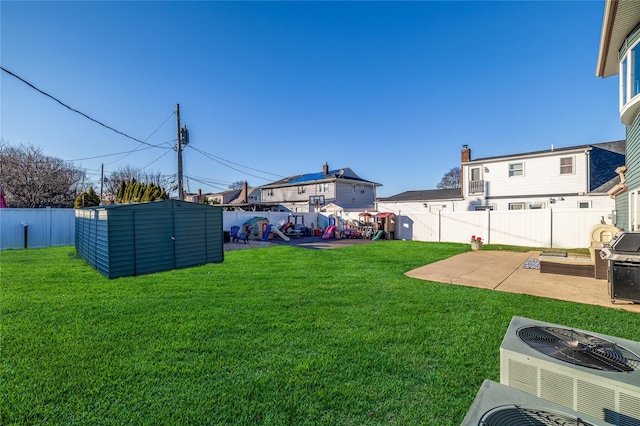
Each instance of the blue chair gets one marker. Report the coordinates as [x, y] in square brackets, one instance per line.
[236, 236]
[234, 233]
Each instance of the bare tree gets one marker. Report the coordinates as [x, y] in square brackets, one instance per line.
[32, 180]
[237, 184]
[451, 180]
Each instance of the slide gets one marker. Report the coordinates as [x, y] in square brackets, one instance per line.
[279, 233]
[378, 235]
[328, 232]
[265, 236]
[286, 226]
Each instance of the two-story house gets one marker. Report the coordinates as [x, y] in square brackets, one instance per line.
[310, 192]
[619, 54]
[573, 177]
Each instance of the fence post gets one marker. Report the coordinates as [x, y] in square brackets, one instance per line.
[551, 227]
[49, 230]
[488, 222]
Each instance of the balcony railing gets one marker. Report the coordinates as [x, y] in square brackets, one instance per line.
[476, 186]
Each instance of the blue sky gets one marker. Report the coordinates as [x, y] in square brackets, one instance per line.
[271, 89]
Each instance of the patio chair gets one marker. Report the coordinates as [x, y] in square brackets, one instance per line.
[237, 236]
[244, 236]
[234, 233]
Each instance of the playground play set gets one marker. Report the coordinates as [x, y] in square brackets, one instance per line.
[381, 226]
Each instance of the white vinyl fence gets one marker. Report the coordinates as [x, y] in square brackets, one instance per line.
[557, 228]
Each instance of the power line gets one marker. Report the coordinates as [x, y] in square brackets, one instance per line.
[108, 155]
[135, 150]
[206, 183]
[209, 181]
[73, 109]
[165, 153]
[221, 161]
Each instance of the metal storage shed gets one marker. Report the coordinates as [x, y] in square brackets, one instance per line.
[122, 240]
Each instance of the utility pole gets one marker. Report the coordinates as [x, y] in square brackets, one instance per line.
[101, 181]
[183, 139]
[179, 149]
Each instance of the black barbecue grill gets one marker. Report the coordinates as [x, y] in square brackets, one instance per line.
[623, 255]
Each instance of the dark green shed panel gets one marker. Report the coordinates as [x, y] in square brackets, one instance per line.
[120, 257]
[214, 227]
[190, 240]
[153, 241]
[133, 239]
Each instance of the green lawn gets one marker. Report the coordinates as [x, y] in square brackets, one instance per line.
[277, 335]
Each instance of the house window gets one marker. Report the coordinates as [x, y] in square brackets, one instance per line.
[566, 165]
[475, 174]
[482, 208]
[536, 206]
[301, 190]
[630, 83]
[476, 185]
[623, 82]
[634, 74]
[584, 204]
[516, 206]
[269, 192]
[516, 169]
[323, 187]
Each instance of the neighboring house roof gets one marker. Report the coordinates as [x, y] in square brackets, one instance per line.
[620, 18]
[426, 195]
[232, 196]
[605, 187]
[308, 178]
[614, 146]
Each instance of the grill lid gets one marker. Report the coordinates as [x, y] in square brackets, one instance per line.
[625, 242]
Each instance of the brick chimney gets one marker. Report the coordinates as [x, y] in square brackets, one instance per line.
[244, 193]
[325, 168]
[465, 157]
[466, 154]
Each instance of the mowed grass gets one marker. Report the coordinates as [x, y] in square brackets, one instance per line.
[273, 336]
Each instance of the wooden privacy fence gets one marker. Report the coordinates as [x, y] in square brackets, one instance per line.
[557, 228]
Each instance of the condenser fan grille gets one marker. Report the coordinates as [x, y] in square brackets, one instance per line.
[579, 348]
[516, 415]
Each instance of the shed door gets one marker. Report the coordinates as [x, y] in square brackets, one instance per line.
[190, 232]
[153, 240]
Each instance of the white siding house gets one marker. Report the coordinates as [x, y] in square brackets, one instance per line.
[310, 192]
[573, 177]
